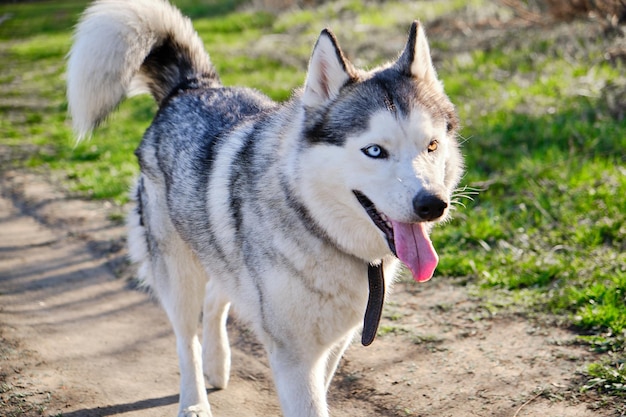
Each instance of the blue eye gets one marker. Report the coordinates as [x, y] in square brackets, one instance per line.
[375, 151]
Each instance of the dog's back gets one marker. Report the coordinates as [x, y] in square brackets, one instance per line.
[184, 147]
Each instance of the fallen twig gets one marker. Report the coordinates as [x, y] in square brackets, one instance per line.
[527, 402]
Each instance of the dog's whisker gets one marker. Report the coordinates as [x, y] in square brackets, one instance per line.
[463, 139]
[465, 194]
[469, 189]
[458, 203]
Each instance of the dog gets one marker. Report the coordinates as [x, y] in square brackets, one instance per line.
[300, 213]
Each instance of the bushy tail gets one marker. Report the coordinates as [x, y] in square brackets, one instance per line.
[126, 47]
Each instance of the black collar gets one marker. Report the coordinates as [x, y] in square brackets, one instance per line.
[375, 302]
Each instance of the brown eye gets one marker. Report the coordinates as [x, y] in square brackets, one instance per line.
[432, 146]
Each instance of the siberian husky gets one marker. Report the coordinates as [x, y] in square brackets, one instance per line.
[296, 213]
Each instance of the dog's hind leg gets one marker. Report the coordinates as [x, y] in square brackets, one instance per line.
[180, 283]
[215, 346]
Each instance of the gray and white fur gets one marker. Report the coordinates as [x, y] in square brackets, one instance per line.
[279, 209]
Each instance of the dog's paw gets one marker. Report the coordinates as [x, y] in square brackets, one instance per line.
[198, 410]
[216, 368]
[218, 380]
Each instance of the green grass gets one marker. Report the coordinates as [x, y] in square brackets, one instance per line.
[551, 218]
[545, 235]
[548, 230]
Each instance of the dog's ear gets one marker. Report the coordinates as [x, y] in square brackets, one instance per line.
[329, 70]
[415, 61]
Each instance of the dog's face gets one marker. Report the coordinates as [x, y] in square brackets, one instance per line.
[382, 157]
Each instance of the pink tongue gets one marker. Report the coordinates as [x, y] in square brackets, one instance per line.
[414, 248]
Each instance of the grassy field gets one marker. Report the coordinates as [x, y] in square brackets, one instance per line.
[544, 136]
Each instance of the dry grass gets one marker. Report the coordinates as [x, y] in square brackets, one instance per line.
[612, 10]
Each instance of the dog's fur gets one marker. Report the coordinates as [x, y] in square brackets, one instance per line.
[277, 208]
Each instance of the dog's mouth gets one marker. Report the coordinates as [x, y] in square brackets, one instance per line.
[380, 219]
[410, 243]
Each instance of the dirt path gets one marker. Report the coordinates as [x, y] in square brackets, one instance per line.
[77, 340]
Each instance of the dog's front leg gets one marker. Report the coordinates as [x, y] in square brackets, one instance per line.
[300, 383]
[334, 356]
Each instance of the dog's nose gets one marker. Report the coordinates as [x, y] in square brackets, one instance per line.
[429, 206]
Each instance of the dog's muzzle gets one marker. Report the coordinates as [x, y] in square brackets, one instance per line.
[407, 241]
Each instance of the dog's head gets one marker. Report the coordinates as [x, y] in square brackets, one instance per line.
[381, 157]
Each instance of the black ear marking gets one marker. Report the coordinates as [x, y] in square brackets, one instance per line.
[408, 55]
[345, 63]
[328, 71]
[415, 61]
